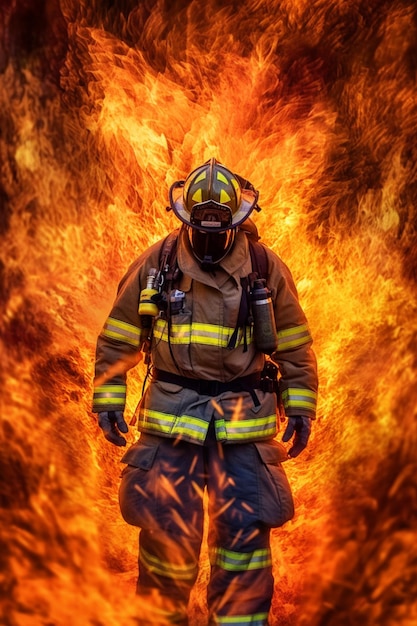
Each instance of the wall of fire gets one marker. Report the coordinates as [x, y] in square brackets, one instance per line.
[102, 106]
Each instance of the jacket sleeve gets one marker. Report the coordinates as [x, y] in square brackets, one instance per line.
[119, 343]
[294, 355]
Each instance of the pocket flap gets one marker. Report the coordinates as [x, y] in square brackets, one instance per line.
[140, 455]
[271, 452]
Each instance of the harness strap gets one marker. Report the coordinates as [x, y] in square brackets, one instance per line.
[212, 387]
[168, 256]
[259, 261]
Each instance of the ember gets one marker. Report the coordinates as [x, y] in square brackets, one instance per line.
[102, 106]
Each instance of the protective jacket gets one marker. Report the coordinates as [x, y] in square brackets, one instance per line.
[192, 343]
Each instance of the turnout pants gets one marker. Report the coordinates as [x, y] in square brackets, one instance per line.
[162, 491]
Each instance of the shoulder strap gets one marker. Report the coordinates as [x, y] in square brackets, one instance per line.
[168, 267]
[259, 261]
[259, 258]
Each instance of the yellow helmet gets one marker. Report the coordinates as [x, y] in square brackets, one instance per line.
[212, 198]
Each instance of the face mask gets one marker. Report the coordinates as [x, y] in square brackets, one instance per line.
[211, 248]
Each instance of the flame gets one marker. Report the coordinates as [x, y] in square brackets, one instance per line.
[101, 110]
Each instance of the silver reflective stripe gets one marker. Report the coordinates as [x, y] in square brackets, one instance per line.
[154, 420]
[250, 429]
[257, 619]
[242, 561]
[106, 395]
[195, 429]
[295, 398]
[197, 333]
[293, 337]
[121, 331]
[186, 571]
[258, 302]
[190, 427]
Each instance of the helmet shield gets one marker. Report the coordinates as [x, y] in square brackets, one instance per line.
[210, 248]
[212, 199]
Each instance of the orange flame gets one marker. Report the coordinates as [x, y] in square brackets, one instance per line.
[101, 110]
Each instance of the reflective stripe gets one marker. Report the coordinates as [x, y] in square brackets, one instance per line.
[299, 398]
[241, 561]
[195, 428]
[186, 571]
[192, 427]
[197, 333]
[121, 331]
[109, 394]
[257, 427]
[293, 337]
[220, 427]
[258, 619]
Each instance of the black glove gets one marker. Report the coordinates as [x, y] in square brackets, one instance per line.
[301, 426]
[111, 422]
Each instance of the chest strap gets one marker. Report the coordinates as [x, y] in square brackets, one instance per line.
[212, 387]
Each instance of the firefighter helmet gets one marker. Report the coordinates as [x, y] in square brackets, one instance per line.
[212, 199]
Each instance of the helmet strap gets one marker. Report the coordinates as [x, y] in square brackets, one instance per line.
[208, 265]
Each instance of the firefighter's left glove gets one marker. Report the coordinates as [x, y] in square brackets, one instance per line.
[298, 427]
[112, 424]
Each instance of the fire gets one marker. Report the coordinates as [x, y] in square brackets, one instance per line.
[101, 110]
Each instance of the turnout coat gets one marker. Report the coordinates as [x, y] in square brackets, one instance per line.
[192, 344]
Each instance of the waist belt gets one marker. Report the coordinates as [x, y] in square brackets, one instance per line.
[211, 387]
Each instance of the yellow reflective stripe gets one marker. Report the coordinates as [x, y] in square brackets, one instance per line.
[195, 428]
[121, 331]
[196, 431]
[220, 426]
[245, 429]
[257, 619]
[186, 571]
[210, 334]
[186, 425]
[160, 332]
[242, 561]
[109, 394]
[197, 333]
[299, 398]
[162, 422]
[293, 337]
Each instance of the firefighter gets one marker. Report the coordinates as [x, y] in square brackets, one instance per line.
[219, 367]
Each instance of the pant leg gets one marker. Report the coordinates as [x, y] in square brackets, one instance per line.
[168, 568]
[162, 492]
[241, 582]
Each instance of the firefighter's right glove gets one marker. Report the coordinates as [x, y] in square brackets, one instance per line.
[298, 426]
[112, 424]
